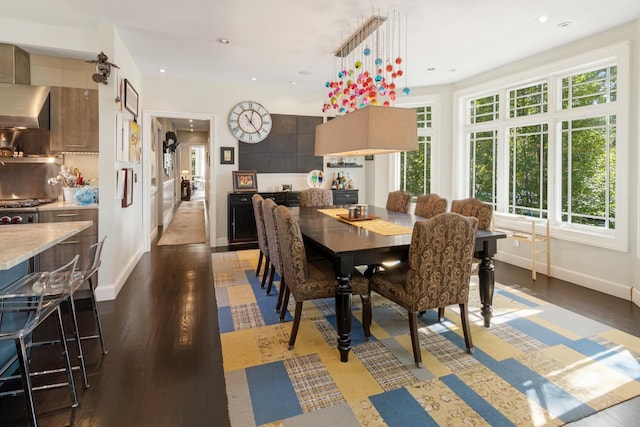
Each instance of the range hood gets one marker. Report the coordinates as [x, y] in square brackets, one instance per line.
[24, 107]
[21, 106]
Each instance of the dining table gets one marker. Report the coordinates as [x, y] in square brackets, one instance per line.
[384, 236]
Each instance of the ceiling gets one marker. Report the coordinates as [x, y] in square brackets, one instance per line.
[278, 42]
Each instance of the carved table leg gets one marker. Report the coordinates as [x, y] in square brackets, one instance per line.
[486, 275]
[343, 317]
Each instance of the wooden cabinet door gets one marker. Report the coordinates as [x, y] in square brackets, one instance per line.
[74, 120]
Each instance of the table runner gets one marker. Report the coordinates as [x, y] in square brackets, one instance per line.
[379, 226]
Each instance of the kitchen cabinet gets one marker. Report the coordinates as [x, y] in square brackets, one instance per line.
[74, 120]
[345, 197]
[79, 244]
[241, 223]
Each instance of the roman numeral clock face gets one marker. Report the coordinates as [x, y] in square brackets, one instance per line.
[250, 122]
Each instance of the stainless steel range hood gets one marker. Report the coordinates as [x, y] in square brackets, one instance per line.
[24, 107]
[21, 106]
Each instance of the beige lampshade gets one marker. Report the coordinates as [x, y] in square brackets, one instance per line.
[368, 130]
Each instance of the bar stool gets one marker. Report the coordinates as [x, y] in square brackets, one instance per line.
[91, 264]
[24, 305]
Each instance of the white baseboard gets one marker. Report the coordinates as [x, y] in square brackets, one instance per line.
[110, 291]
[619, 290]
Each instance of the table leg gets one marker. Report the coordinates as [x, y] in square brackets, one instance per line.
[343, 317]
[486, 276]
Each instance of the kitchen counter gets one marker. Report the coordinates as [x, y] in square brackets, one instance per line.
[65, 205]
[23, 241]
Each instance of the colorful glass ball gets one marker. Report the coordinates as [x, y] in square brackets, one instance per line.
[367, 51]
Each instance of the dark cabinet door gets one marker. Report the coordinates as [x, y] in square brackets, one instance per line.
[242, 224]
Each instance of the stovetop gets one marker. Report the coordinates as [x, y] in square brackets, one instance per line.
[24, 203]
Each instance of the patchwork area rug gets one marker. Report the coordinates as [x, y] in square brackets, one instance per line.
[537, 365]
[187, 225]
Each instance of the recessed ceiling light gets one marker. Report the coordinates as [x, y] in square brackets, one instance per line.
[431, 69]
[452, 70]
[162, 70]
[293, 82]
[254, 78]
[190, 120]
[564, 24]
[542, 19]
[222, 40]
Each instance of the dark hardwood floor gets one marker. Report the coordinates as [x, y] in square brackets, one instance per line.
[164, 366]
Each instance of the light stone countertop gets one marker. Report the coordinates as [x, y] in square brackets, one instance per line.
[19, 242]
[66, 205]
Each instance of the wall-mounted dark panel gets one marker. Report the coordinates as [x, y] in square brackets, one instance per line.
[289, 147]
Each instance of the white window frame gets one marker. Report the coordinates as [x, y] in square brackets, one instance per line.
[617, 55]
[433, 132]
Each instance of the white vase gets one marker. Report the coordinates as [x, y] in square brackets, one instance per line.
[68, 193]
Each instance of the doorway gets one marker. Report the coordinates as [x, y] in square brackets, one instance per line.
[164, 186]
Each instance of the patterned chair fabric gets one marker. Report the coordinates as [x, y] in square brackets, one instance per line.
[399, 201]
[430, 205]
[437, 273]
[257, 201]
[268, 208]
[475, 208]
[316, 197]
[309, 281]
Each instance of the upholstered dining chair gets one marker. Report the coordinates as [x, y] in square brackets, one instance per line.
[316, 197]
[399, 201]
[483, 211]
[24, 306]
[430, 205]
[309, 281]
[268, 208]
[436, 274]
[263, 244]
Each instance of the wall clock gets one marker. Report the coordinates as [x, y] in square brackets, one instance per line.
[250, 122]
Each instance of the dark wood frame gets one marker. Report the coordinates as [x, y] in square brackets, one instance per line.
[130, 98]
[127, 197]
[251, 185]
[225, 150]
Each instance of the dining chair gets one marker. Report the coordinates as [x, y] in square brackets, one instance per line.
[316, 197]
[90, 266]
[309, 281]
[263, 244]
[436, 275]
[430, 205]
[24, 306]
[399, 201]
[268, 208]
[483, 211]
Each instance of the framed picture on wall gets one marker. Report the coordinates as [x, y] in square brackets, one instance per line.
[130, 98]
[227, 156]
[245, 181]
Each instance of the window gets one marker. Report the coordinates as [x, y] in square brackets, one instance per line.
[553, 154]
[483, 165]
[415, 166]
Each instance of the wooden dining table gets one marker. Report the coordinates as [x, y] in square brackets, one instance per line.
[348, 245]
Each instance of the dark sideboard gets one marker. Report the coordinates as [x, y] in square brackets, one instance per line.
[241, 223]
[345, 197]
